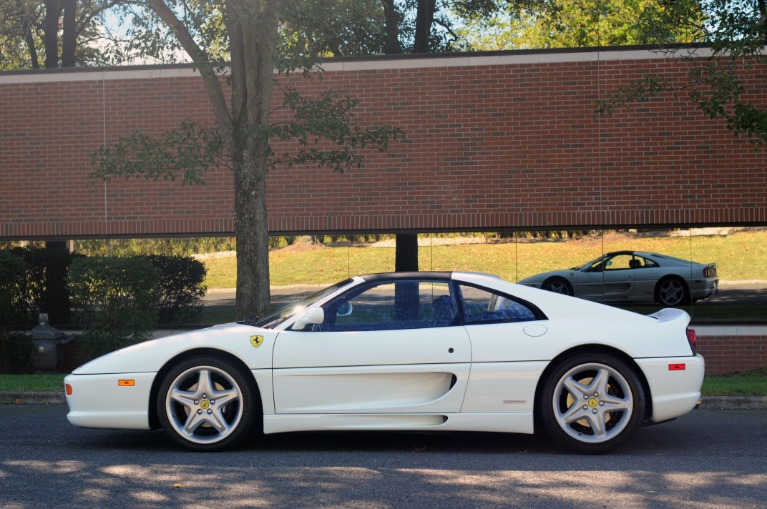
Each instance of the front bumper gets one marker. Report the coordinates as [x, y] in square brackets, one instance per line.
[102, 401]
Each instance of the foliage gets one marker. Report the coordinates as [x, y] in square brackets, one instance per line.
[115, 299]
[328, 118]
[720, 84]
[43, 287]
[534, 24]
[246, 33]
[169, 247]
[13, 291]
[181, 287]
[341, 28]
[187, 150]
[16, 351]
[44, 33]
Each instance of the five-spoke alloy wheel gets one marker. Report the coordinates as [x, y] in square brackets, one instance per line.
[592, 403]
[672, 291]
[206, 403]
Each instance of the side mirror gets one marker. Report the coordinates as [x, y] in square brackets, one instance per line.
[310, 316]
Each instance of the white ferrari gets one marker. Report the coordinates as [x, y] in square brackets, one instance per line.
[405, 351]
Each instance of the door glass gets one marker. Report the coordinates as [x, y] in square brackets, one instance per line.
[406, 304]
[621, 262]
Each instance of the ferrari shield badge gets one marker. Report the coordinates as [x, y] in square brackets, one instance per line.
[256, 341]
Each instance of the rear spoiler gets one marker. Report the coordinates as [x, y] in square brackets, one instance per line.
[671, 315]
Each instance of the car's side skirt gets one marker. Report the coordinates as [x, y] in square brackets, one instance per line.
[494, 422]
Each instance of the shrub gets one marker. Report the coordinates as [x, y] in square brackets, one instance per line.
[115, 299]
[13, 292]
[181, 287]
[16, 353]
[45, 285]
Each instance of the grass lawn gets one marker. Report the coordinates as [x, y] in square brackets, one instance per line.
[739, 256]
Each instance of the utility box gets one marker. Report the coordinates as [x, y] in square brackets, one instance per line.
[45, 340]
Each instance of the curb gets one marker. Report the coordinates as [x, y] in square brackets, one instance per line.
[708, 402]
[33, 398]
[735, 402]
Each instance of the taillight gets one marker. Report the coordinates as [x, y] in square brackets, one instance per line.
[692, 338]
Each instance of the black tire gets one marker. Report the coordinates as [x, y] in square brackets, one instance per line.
[207, 403]
[592, 403]
[672, 291]
[558, 285]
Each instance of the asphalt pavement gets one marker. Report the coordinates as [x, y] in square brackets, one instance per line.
[707, 459]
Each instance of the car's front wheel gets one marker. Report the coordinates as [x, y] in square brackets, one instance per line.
[207, 403]
[592, 403]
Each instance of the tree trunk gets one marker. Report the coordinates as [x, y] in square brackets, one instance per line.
[251, 232]
[51, 33]
[69, 33]
[423, 22]
[258, 44]
[393, 45]
[406, 252]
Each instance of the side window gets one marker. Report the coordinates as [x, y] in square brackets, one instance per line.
[620, 262]
[649, 263]
[406, 304]
[484, 306]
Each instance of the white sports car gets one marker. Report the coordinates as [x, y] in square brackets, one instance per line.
[633, 277]
[405, 351]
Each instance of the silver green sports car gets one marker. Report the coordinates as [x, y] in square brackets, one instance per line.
[633, 277]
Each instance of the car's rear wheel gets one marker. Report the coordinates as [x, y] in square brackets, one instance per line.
[592, 403]
[207, 403]
[558, 285]
[672, 291]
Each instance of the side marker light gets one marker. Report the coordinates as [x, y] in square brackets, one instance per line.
[677, 367]
[126, 383]
[68, 389]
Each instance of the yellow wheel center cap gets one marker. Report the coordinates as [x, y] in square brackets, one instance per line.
[593, 402]
[205, 404]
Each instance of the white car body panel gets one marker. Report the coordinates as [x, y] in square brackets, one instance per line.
[479, 377]
[151, 356]
[674, 392]
[100, 401]
[499, 423]
[371, 389]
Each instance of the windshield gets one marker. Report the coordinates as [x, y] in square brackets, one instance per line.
[286, 312]
[592, 263]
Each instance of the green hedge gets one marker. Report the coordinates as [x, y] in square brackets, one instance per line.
[13, 289]
[181, 287]
[116, 300]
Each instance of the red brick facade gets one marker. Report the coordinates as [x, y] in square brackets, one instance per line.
[727, 354]
[506, 141]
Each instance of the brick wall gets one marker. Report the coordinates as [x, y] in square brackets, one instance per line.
[506, 141]
[733, 353]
